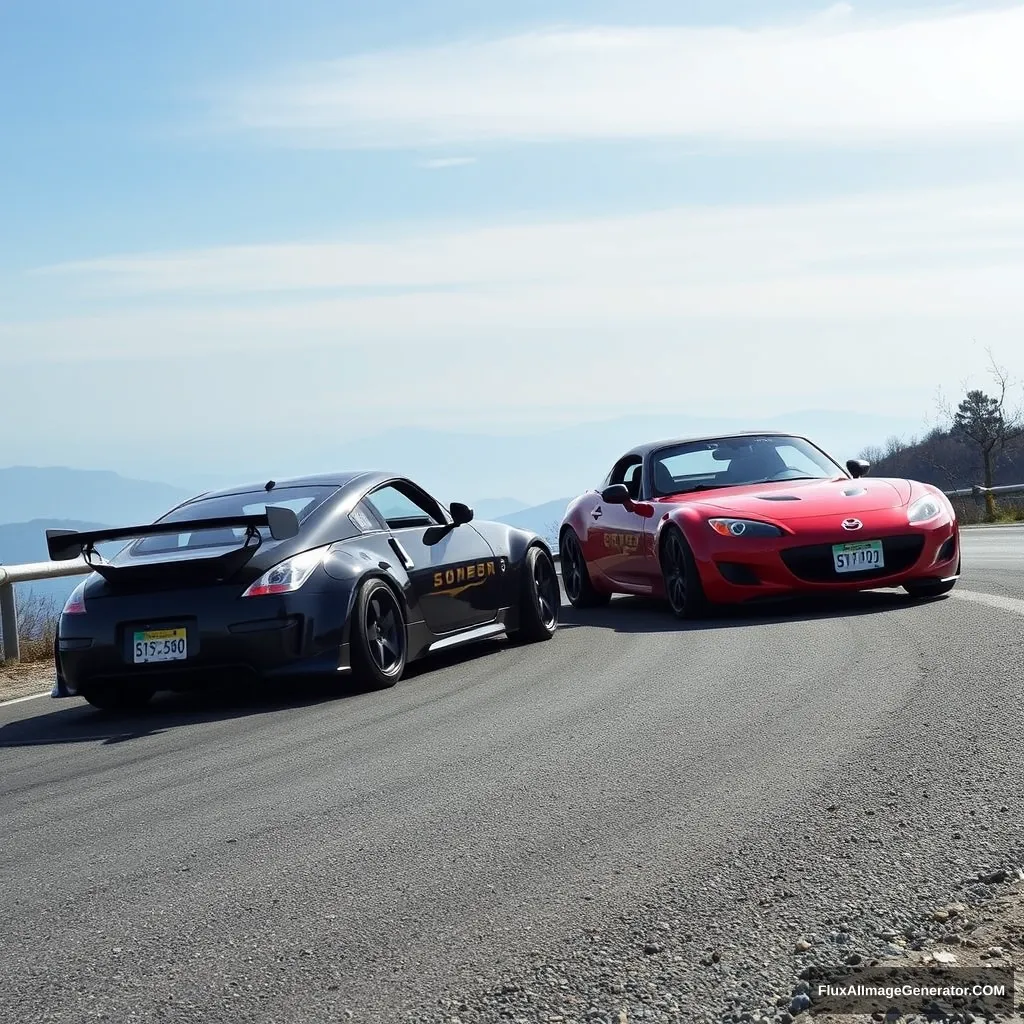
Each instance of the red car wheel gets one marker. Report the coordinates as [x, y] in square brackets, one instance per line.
[683, 587]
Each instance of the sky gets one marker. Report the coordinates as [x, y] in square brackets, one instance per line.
[249, 225]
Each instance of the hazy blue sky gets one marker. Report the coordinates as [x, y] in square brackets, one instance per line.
[250, 223]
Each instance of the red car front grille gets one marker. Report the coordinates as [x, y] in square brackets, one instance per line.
[815, 564]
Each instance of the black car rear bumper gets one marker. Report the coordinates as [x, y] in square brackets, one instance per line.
[272, 636]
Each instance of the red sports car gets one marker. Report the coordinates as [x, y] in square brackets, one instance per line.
[751, 516]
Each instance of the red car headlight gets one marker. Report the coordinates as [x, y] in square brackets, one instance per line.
[924, 509]
[743, 528]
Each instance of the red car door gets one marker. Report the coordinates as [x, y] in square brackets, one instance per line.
[619, 544]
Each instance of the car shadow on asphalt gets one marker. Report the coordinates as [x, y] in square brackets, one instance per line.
[74, 721]
[647, 615]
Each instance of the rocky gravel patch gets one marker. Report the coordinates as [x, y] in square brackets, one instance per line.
[663, 972]
[667, 974]
[21, 680]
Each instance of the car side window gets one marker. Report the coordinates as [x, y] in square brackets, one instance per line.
[632, 480]
[628, 471]
[402, 506]
[365, 519]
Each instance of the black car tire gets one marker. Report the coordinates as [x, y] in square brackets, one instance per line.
[576, 576]
[126, 697]
[933, 588]
[540, 596]
[683, 587]
[379, 640]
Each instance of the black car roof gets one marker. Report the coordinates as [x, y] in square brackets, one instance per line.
[652, 446]
[345, 480]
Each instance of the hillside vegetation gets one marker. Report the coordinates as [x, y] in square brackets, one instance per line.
[940, 458]
[981, 444]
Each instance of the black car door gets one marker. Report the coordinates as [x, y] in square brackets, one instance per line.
[455, 573]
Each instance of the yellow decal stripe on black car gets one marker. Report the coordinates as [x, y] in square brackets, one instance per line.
[460, 578]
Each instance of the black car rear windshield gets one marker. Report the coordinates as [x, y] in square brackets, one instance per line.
[301, 500]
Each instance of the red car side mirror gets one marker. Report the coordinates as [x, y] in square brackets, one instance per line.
[618, 494]
[644, 509]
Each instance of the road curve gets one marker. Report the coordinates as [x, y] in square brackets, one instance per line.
[507, 830]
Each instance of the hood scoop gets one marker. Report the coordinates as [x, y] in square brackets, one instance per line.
[778, 497]
[853, 492]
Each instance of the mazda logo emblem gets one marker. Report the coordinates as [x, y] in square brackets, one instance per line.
[852, 524]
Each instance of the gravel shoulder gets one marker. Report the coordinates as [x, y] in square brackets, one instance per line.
[980, 933]
[20, 680]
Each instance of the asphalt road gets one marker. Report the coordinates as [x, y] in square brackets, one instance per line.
[518, 817]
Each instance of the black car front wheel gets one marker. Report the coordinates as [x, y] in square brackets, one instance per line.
[540, 598]
[379, 640]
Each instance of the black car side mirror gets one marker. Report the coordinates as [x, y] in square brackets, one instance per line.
[616, 494]
[858, 467]
[460, 513]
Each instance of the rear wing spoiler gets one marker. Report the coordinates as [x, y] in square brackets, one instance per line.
[63, 545]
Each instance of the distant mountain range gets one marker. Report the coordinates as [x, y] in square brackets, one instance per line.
[494, 508]
[89, 495]
[472, 466]
[543, 519]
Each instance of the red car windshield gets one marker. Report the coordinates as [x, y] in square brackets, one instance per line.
[736, 461]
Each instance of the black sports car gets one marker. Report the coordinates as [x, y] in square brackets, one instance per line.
[354, 573]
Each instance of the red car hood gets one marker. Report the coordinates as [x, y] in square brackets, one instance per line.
[804, 499]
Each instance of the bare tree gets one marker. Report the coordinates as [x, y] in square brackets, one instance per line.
[986, 423]
[551, 533]
[895, 446]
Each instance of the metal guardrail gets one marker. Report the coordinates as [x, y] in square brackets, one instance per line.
[26, 573]
[977, 491]
[12, 574]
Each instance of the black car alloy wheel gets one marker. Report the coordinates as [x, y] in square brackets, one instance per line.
[546, 590]
[384, 631]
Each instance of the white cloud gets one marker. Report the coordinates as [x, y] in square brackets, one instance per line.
[811, 258]
[444, 162]
[869, 302]
[834, 78]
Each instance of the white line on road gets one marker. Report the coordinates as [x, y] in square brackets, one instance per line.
[18, 700]
[1006, 604]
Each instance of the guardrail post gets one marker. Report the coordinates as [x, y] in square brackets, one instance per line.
[9, 622]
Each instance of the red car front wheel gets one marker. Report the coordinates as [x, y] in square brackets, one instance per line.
[683, 586]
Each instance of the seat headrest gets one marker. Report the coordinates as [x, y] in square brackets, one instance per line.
[663, 480]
